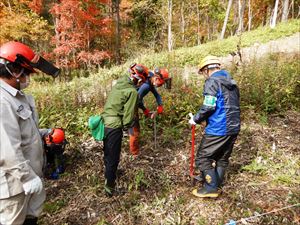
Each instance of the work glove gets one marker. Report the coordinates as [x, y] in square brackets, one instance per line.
[125, 133]
[191, 121]
[160, 109]
[153, 115]
[147, 113]
[33, 186]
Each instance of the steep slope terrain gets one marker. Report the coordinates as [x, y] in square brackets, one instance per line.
[264, 176]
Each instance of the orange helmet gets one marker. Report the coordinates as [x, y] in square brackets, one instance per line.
[16, 52]
[161, 76]
[55, 136]
[163, 73]
[139, 72]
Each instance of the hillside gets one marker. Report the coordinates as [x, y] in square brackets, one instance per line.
[263, 179]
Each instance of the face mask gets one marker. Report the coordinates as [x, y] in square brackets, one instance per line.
[25, 84]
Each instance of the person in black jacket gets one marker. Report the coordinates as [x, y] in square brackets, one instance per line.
[221, 111]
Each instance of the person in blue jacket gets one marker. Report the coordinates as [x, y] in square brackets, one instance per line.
[221, 111]
[154, 79]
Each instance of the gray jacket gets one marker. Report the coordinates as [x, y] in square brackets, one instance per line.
[21, 149]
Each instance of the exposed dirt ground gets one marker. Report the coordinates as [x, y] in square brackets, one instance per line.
[155, 188]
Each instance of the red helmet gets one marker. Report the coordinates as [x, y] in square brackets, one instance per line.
[160, 76]
[55, 136]
[17, 52]
[139, 72]
[163, 73]
[23, 55]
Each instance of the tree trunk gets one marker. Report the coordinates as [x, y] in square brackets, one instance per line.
[249, 15]
[241, 5]
[208, 27]
[226, 19]
[116, 12]
[274, 17]
[293, 13]
[285, 11]
[170, 38]
[198, 25]
[57, 39]
[182, 24]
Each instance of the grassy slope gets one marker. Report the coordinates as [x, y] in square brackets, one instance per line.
[264, 172]
[77, 98]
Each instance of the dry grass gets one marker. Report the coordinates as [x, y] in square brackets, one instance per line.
[156, 187]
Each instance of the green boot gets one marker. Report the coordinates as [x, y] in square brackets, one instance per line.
[210, 187]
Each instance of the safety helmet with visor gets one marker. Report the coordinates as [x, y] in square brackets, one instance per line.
[161, 75]
[138, 73]
[55, 136]
[16, 52]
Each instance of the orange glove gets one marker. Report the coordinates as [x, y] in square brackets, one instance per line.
[160, 109]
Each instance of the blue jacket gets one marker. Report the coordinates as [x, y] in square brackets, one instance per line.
[221, 105]
[144, 89]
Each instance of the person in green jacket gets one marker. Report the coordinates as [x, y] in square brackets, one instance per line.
[118, 115]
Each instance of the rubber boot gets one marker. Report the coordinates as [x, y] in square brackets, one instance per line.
[210, 187]
[198, 176]
[109, 188]
[220, 175]
[31, 221]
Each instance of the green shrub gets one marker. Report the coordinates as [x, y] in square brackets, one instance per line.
[271, 84]
[267, 86]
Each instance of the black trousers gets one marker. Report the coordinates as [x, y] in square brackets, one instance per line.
[214, 149]
[112, 151]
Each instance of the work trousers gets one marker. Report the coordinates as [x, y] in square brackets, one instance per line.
[214, 149]
[112, 151]
[15, 209]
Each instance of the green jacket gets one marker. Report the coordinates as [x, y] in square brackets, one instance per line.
[121, 105]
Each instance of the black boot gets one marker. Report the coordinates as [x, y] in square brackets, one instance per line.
[109, 188]
[31, 221]
[210, 187]
[220, 175]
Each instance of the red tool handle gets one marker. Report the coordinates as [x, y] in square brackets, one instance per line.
[192, 152]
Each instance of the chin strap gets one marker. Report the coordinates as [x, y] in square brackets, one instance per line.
[11, 73]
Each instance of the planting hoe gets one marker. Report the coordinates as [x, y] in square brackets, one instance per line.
[153, 116]
[192, 159]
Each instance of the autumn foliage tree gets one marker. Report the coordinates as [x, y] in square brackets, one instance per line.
[89, 33]
[79, 25]
[20, 23]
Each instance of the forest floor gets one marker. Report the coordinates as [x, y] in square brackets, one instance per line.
[263, 177]
[157, 188]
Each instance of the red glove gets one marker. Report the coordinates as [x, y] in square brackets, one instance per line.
[160, 109]
[147, 112]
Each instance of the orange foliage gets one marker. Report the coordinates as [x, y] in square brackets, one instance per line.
[79, 23]
[36, 6]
